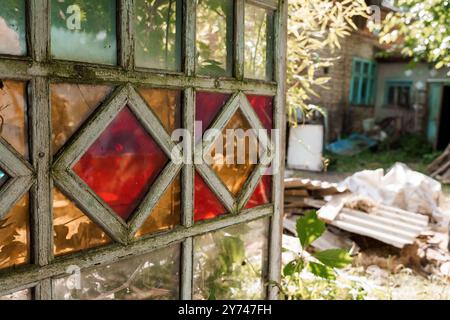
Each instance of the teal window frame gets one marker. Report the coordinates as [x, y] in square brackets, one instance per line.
[397, 83]
[363, 71]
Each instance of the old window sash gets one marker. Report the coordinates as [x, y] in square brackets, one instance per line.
[38, 69]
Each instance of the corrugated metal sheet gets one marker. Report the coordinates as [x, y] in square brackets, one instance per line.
[387, 224]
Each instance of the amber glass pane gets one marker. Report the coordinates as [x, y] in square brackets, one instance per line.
[166, 104]
[14, 235]
[258, 40]
[72, 104]
[206, 204]
[84, 30]
[215, 37]
[151, 276]
[73, 230]
[19, 295]
[158, 34]
[208, 105]
[167, 213]
[13, 115]
[234, 170]
[122, 164]
[231, 264]
[12, 28]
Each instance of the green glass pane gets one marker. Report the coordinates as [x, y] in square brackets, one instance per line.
[232, 263]
[258, 42]
[12, 28]
[152, 276]
[157, 34]
[214, 37]
[84, 30]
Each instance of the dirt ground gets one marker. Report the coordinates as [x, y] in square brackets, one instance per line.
[386, 276]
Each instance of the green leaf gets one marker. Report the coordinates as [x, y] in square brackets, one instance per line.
[309, 228]
[292, 267]
[322, 271]
[334, 258]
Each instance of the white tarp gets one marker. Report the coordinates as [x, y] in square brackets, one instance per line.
[400, 187]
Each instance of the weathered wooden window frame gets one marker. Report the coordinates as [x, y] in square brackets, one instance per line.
[39, 176]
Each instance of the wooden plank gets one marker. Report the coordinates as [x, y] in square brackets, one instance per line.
[190, 9]
[187, 253]
[239, 31]
[268, 4]
[126, 34]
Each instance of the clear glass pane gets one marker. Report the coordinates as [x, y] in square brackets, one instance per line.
[72, 230]
[258, 42]
[157, 34]
[13, 112]
[232, 263]
[167, 213]
[84, 30]
[151, 276]
[122, 164]
[14, 235]
[214, 37]
[12, 28]
[22, 295]
[72, 104]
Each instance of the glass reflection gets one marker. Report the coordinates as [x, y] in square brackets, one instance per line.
[153, 276]
[12, 28]
[84, 30]
[157, 34]
[72, 104]
[14, 235]
[231, 264]
[73, 230]
[3, 178]
[215, 37]
[13, 115]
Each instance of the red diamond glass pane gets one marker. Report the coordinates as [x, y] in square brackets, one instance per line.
[263, 106]
[122, 164]
[206, 204]
[208, 105]
[262, 194]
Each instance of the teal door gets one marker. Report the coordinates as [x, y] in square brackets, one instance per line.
[434, 108]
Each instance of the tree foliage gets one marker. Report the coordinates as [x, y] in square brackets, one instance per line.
[420, 29]
[315, 27]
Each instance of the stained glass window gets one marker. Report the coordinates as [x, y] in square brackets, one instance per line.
[13, 111]
[72, 104]
[14, 235]
[3, 177]
[84, 30]
[12, 28]
[122, 164]
[73, 230]
[258, 42]
[206, 204]
[208, 105]
[151, 276]
[230, 264]
[158, 34]
[214, 37]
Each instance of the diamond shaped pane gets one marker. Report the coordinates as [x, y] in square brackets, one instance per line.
[235, 163]
[122, 164]
[3, 177]
[206, 204]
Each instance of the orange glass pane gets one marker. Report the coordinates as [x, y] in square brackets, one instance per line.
[72, 230]
[13, 115]
[234, 170]
[166, 104]
[14, 235]
[206, 204]
[167, 213]
[72, 104]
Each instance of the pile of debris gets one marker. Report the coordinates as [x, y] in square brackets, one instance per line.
[440, 168]
[399, 208]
